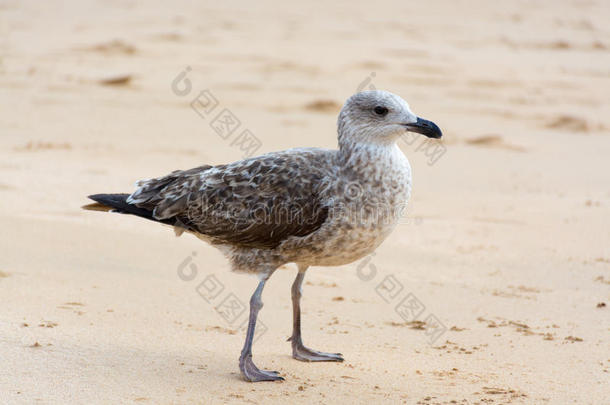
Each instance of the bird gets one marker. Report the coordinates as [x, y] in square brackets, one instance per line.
[307, 206]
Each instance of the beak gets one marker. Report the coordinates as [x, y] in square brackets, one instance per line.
[425, 127]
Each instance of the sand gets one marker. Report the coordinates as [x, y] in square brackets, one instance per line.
[506, 242]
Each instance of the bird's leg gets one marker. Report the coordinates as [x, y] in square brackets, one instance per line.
[246, 365]
[299, 351]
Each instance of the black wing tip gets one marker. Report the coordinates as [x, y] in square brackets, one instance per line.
[116, 201]
[108, 196]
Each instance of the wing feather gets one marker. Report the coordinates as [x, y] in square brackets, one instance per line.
[256, 202]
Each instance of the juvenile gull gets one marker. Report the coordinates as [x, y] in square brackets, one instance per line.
[309, 206]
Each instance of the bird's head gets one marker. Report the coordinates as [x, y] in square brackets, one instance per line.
[380, 117]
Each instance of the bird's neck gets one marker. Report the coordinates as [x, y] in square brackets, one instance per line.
[371, 158]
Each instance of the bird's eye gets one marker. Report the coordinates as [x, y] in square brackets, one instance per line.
[379, 110]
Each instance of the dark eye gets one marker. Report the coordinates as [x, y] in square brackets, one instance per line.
[379, 110]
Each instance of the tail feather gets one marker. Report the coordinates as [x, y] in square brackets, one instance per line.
[118, 203]
[97, 207]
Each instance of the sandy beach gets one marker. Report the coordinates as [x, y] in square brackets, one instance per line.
[495, 287]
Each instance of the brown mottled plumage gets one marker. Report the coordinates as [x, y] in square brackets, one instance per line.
[309, 206]
[254, 203]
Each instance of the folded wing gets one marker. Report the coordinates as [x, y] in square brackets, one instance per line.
[255, 203]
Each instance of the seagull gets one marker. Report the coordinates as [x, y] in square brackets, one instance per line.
[308, 206]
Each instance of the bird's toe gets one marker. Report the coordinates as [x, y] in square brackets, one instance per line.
[252, 373]
[303, 353]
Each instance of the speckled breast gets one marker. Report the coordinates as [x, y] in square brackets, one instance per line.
[362, 216]
[362, 227]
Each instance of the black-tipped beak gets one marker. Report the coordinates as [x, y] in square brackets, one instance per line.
[425, 127]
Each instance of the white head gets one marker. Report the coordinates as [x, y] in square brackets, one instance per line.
[379, 117]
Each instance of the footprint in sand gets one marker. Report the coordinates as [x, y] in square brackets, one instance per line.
[324, 106]
[569, 123]
[493, 141]
[43, 146]
[113, 47]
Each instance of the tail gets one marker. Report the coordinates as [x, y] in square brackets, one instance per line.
[117, 203]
